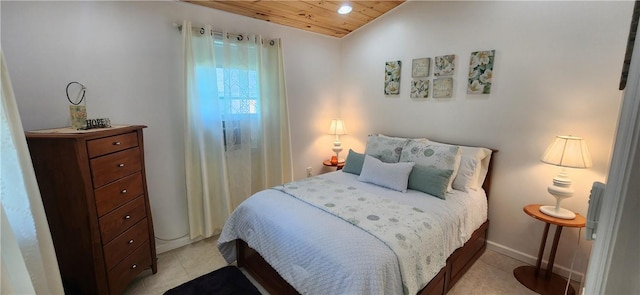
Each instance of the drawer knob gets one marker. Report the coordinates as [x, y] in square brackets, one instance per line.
[121, 165]
[131, 241]
[116, 143]
[134, 266]
[127, 217]
[124, 191]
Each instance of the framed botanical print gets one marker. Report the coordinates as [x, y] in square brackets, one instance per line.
[443, 87]
[420, 67]
[392, 77]
[444, 65]
[481, 72]
[419, 89]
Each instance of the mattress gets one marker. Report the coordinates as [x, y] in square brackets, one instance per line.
[319, 253]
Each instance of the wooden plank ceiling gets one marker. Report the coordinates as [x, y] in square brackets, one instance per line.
[319, 16]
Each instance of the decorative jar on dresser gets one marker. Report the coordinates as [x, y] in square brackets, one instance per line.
[94, 191]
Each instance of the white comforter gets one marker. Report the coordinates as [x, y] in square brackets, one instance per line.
[318, 253]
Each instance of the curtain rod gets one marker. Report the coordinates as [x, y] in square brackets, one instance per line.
[201, 29]
[240, 37]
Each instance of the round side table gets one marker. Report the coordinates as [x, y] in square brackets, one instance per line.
[532, 277]
[338, 166]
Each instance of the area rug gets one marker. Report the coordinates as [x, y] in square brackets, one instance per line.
[228, 280]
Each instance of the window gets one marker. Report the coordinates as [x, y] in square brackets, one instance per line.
[237, 91]
[239, 88]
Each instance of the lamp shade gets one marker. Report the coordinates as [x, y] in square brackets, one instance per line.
[568, 151]
[337, 127]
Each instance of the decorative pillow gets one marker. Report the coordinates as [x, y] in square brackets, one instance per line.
[390, 175]
[395, 137]
[387, 149]
[467, 177]
[354, 162]
[422, 152]
[430, 180]
[482, 155]
[484, 170]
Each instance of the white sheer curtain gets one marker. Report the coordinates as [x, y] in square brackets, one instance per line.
[237, 126]
[29, 264]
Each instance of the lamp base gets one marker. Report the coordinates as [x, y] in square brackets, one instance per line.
[559, 213]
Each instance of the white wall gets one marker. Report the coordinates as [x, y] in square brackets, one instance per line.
[556, 72]
[128, 54]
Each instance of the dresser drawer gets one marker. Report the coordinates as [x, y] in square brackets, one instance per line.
[117, 193]
[125, 243]
[110, 206]
[121, 219]
[108, 168]
[120, 275]
[107, 145]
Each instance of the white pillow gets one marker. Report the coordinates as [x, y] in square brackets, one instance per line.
[467, 176]
[482, 155]
[423, 152]
[390, 175]
[484, 170]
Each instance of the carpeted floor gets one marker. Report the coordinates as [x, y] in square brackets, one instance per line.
[228, 280]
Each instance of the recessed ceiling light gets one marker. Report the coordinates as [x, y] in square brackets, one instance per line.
[344, 9]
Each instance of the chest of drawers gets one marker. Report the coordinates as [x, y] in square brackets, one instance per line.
[94, 191]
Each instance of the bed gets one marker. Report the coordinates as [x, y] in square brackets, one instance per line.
[313, 236]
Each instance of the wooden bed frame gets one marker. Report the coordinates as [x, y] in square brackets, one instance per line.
[457, 265]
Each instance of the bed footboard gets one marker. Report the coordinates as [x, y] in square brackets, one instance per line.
[457, 265]
[261, 271]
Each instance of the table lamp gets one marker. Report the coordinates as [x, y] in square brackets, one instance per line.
[337, 128]
[566, 152]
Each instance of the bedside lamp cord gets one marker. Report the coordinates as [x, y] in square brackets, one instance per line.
[566, 289]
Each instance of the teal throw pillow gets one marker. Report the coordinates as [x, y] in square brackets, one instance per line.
[353, 163]
[430, 180]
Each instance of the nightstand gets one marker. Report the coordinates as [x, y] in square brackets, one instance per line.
[338, 166]
[532, 276]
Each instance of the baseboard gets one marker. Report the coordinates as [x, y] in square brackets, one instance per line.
[528, 259]
[165, 246]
